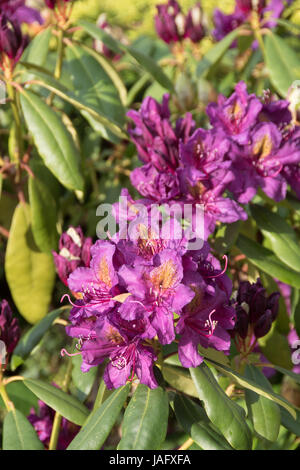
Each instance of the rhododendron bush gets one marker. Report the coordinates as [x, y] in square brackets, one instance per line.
[149, 228]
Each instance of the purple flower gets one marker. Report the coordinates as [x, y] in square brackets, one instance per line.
[154, 184]
[170, 22]
[96, 284]
[237, 114]
[74, 251]
[9, 328]
[194, 29]
[125, 348]
[18, 11]
[160, 290]
[224, 24]
[12, 42]
[42, 421]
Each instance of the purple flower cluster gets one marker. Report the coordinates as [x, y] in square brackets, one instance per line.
[42, 421]
[17, 10]
[173, 26]
[12, 41]
[252, 143]
[141, 291]
[266, 12]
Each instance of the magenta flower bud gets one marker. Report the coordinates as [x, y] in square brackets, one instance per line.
[246, 6]
[170, 22]
[263, 325]
[9, 327]
[99, 46]
[74, 252]
[193, 27]
[12, 42]
[52, 3]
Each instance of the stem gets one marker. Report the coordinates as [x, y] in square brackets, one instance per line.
[187, 444]
[58, 418]
[17, 119]
[8, 404]
[59, 61]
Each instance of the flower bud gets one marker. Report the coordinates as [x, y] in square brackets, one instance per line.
[273, 304]
[74, 252]
[12, 42]
[9, 328]
[242, 322]
[52, 3]
[193, 27]
[170, 22]
[263, 325]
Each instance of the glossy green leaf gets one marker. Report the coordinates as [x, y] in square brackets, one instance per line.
[83, 381]
[54, 143]
[146, 62]
[282, 62]
[43, 215]
[265, 260]
[224, 413]
[66, 405]
[264, 413]
[282, 237]
[216, 52]
[37, 50]
[30, 273]
[180, 379]
[19, 434]
[97, 428]
[257, 388]
[195, 423]
[33, 336]
[145, 420]
[276, 348]
[289, 422]
[94, 88]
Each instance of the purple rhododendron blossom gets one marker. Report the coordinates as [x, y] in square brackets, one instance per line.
[20, 12]
[170, 22]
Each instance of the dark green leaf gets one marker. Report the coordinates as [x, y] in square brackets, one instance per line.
[19, 434]
[282, 237]
[265, 414]
[100, 422]
[43, 215]
[276, 348]
[145, 420]
[265, 260]
[180, 379]
[66, 405]
[53, 141]
[194, 421]
[83, 381]
[225, 414]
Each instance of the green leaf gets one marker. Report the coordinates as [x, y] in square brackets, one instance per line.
[19, 434]
[36, 52]
[145, 420]
[281, 57]
[94, 88]
[100, 422]
[30, 274]
[54, 143]
[249, 384]
[147, 63]
[83, 381]
[216, 52]
[33, 336]
[180, 379]
[43, 215]
[225, 414]
[195, 423]
[23, 399]
[265, 260]
[264, 413]
[290, 423]
[66, 405]
[282, 237]
[276, 348]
